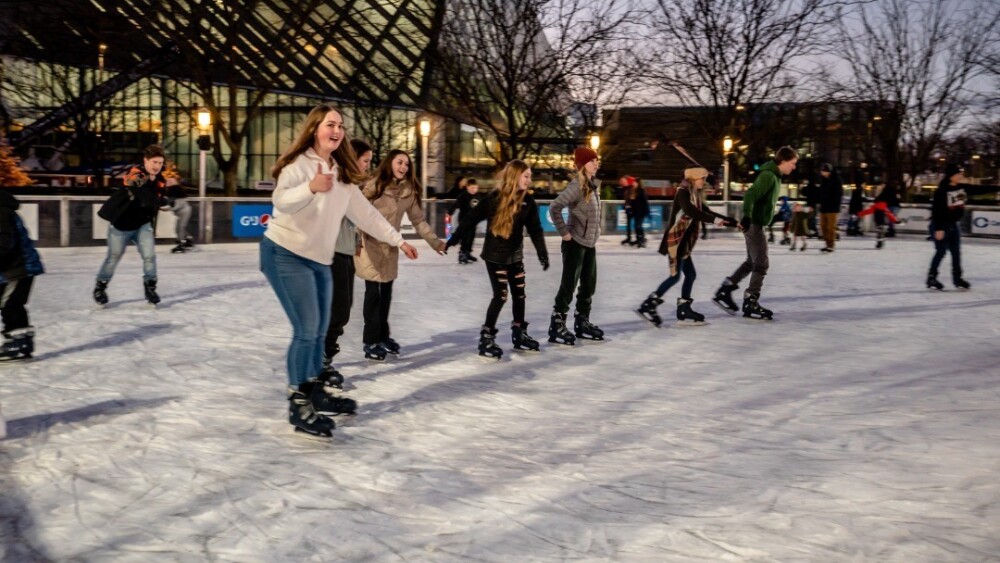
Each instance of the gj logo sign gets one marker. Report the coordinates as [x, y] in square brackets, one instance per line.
[250, 220]
[986, 222]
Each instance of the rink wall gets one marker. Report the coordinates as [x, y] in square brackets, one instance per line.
[73, 220]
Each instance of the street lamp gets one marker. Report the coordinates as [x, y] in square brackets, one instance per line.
[425, 133]
[595, 142]
[727, 148]
[204, 145]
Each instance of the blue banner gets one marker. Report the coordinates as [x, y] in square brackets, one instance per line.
[543, 214]
[250, 220]
[652, 222]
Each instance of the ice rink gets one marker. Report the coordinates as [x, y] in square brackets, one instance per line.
[863, 424]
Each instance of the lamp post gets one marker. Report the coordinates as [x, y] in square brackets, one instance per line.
[425, 133]
[727, 148]
[204, 145]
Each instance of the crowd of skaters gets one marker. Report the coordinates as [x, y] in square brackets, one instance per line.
[334, 219]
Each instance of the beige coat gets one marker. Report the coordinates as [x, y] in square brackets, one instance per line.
[379, 261]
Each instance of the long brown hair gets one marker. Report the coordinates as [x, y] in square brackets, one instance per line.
[510, 198]
[344, 156]
[384, 175]
[585, 183]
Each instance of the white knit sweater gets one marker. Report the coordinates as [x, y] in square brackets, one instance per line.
[307, 223]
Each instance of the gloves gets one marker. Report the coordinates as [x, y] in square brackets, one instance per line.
[745, 223]
[545, 263]
[730, 222]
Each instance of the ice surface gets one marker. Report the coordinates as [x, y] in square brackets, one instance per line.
[862, 425]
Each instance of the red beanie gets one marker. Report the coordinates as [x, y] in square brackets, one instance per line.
[583, 155]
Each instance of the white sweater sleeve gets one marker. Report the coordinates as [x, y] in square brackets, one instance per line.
[292, 192]
[364, 215]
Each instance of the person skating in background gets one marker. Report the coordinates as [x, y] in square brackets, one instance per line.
[636, 210]
[19, 264]
[342, 274]
[947, 209]
[800, 226]
[176, 200]
[784, 214]
[811, 193]
[758, 209]
[317, 187]
[465, 203]
[853, 208]
[831, 194]
[134, 222]
[394, 191]
[508, 210]
[686, 216]
[891, 198]
[457, 189]
[579, 255]
[880, 209]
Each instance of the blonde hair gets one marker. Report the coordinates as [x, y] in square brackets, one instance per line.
[585, 186]
[511, 198]
[344, 155]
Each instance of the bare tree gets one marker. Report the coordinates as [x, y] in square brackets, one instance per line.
[731, 56]
[512, 67]
[379, 126]
[921, 59]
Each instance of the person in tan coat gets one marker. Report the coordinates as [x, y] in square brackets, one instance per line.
[394, 191]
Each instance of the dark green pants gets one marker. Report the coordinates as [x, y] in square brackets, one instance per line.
[579, 267]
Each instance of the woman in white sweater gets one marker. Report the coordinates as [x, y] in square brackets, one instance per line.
[317, 187]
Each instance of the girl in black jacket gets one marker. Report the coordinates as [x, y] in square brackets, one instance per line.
[508, 210]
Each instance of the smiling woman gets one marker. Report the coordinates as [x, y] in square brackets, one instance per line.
[316, 190]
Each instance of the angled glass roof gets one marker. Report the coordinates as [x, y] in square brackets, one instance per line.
[373, 51]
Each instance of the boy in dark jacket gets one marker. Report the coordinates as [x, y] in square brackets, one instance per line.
[831, 192]
[19, 264]
[465, 203]
[758, 210]
[947, 210]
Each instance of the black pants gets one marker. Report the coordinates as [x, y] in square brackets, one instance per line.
[502, 276]
[378, 298]
[952, 242]
[468, 238]
[579, 267]
[13, 298]
[638, 219]
[343, 299]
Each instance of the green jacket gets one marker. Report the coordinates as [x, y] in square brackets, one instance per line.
[759, 200]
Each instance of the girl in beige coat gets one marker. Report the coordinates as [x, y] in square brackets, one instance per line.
[394, 191]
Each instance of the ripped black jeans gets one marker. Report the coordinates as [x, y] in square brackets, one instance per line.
[503, 276]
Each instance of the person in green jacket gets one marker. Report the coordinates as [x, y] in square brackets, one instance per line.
[758, 210]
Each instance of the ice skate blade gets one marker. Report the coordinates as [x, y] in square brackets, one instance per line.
[374, 358]
[554, 340]
[590, 339]
[488, 358]
[689, 323]
[648, 320]
[527, 349]
[753, 318]
[724, 307]
[16, 359]
[313, 436]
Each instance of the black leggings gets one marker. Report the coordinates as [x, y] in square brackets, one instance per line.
[13, 298]
[378, 298]
[502, 276]
[343, 298]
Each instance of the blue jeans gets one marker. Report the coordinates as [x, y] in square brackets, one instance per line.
[952, 242]
[685, 268]
[305, 289]
[118, 240]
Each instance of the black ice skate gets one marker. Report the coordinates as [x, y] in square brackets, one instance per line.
[470, 257]
[687, 316]
[826, 250]
[641, 242]
[325, 403]
[179, 249]
[488, 344]
[463, 258]
[101, 293]
[962, 284]
[375, 352]
[18, 344]
[151, 295]
[879, 244]
[520, 338]
[724, 296]
[331, 377]
[786, 241]
[558, 332]
[627, 241]
[391, 346]
[304, 417]
[648, 309]
[753, 310]
[933, 283]
[187, 243]
[585, 329]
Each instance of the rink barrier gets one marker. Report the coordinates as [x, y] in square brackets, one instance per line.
[70, 221]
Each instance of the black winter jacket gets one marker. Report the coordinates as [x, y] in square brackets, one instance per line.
[831, 192]
[505, 250]
[148, 197]
[18, 257]
[465, 202]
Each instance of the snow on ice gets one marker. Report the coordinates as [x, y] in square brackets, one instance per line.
[863, 424]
